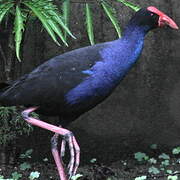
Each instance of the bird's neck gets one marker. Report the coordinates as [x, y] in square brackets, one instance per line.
[133, 32]
[130, 45]
[125, 52]
[120, 56]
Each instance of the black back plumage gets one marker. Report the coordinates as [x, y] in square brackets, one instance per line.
[47, 85]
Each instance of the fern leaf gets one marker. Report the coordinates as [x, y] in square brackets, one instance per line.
[18, 29]
[111, 13]
[58, 19]
[4, 8]
[89, 24]
[48, 14]
[37, 11]
[130, 4]
[66, 14]
[51, 11]
[57, 30]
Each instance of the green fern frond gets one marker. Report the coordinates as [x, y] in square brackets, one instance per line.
[130, 4]
[56, 16]
[4, 8]
[57, 30]
[20, 18]
[111, 13]
[66, 14]
[51, 11]
[48, 14]
[89, 24]
[38, 12]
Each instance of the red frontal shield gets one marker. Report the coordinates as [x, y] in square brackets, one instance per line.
[163, 18]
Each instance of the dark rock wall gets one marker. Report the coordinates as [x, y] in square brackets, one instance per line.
[144, 109]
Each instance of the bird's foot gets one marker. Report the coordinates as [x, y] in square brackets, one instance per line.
[69, 139]
[74, 153]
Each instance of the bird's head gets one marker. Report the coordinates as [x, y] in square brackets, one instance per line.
[150, 18]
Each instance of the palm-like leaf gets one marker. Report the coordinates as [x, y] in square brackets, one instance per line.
[56, 17]
[57, 30]
[51, 11]
[4, 8]
[130, 4]
[47, 13]
[20, 18]
[66, 14]
[43, 19]
[89, 24]
[55, 24]
[111, 13]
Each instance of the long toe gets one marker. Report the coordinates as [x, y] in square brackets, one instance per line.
[77, 155]
[63, 148]
[74, 154]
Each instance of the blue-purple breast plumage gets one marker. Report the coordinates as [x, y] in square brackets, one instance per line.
[116, 60]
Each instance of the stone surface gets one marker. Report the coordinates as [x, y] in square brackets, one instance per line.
[145, 107]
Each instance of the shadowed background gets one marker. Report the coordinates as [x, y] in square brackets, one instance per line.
[144, 108]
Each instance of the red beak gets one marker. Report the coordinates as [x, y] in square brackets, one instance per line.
[163, 18]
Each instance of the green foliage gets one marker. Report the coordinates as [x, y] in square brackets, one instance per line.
[89, 23]
[172, 177]
[178, 161]
[45, 159]
[34, 175]
[164, 156]
[141, 178]
[176, 150]
[164, 164]
[153, 170]
[12, 125]
[45, 10]
[153, 146]
[139, 156]
[25, 166]
[77, 176]
[130, 4]
[111, 13]
[152, 161]
[5, 6]
[19, 21]
[169, 171]
[93, 160]
[47, 13]
[27, 154]
[66, 14]
[56, 24]
[16, 175]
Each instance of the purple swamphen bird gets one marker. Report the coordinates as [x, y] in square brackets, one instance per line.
[72, 83]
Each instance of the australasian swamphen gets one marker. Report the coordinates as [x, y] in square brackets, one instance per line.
[72, 83]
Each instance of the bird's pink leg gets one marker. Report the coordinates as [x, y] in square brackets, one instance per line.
[57, 158]
[68, 137]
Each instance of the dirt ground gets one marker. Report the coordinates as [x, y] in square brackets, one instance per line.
[126, 169]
